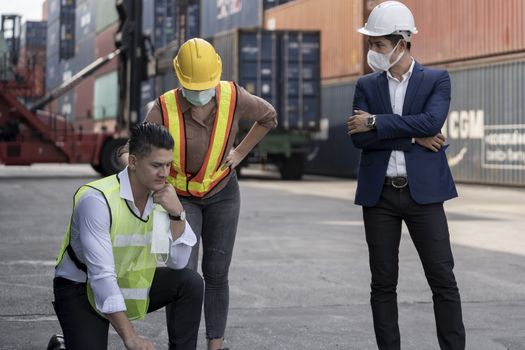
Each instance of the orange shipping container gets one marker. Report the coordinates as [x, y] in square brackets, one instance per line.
[452, 30]
[341, 45]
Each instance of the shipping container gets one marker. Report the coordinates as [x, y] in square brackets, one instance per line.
[486, 124]
[31, 70]
[220, 15]
[147, 95]
[105, 102]
[268, 4]
[66, 105]
[53, 66]
[67, 29]
[338, 20]
[34, 35]
[193, 22]
[53, 72]
[84, 53]
[485, 128]
[460, 30]
[148, 17]
[84, 99]
[104, 45]
[280, 66]
[86, 12]
[334, 153]
[53, 10]
[106, 15]
[163, 23]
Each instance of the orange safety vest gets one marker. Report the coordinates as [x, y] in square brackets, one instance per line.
[210, 173]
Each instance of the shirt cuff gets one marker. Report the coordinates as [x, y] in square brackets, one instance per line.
[112, 304]
[187, 238]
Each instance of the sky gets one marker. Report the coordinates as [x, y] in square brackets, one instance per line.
[29, 9]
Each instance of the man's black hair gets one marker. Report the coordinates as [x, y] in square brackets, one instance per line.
[394, 39]
[148, 135]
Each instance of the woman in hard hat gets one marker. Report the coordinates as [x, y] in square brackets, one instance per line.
[203, 116]
[404, 176]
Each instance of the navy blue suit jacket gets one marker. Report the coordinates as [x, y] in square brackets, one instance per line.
[425, 109]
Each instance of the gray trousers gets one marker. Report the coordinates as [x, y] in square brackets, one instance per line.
[214, 221]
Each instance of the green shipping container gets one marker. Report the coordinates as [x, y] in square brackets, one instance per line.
[106, 96]
[106, 14]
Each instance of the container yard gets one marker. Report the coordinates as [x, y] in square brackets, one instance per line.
[316, 226]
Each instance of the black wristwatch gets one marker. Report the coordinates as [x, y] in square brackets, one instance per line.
[180, 217]
[371, 122]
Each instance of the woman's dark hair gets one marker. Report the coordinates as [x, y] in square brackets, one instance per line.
[147, 135]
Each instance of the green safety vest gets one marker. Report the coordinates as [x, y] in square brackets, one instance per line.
[131, 240]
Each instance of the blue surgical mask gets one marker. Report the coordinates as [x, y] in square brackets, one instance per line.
[198, 98]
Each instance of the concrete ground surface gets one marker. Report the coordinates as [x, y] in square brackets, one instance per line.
[299, 277]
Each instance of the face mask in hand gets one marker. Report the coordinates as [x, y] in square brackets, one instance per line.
[381, 61]
[198, 98]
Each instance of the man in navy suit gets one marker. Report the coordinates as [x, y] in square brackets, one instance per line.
[404, 175]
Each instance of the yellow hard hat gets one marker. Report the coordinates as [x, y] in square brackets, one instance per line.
[197, 64]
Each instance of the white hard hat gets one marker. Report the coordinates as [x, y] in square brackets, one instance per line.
[390, 17]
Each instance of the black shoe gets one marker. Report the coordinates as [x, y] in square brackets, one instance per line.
[56, 343]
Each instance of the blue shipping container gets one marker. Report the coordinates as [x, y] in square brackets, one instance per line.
[219, 16]
[193, 21]
[147, 95]
[67, 29]
[85, 17]
[34, 35]
[84, 54]
[53, 10]
[280, 66]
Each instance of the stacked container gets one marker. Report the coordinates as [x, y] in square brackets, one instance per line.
[32, 59]
[481, 42]
[280, 66]
[220, 16]
[67, 29]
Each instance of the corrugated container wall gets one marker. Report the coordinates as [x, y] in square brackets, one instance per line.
[34, 35]
[106, 14]
[459, 30]
[338, 20]
[220, 16]
[67, 29]
[53, 67]
[486, 124]
[84, 35]
[53, 10]
[280, 66]
[335, 153]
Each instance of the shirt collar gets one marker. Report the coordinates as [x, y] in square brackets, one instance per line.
[127, 194]
[406, 76]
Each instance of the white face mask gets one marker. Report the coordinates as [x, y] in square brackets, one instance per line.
[381, 61]
[198, 98]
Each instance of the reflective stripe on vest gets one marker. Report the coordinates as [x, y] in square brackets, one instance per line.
[131, 241]
[210, 173]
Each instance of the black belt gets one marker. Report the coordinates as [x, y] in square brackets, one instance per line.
[396, 181]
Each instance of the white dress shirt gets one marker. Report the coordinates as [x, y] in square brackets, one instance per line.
[91, 243]
[398, 89]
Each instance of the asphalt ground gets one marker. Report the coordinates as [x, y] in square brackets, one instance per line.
[299, 277]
